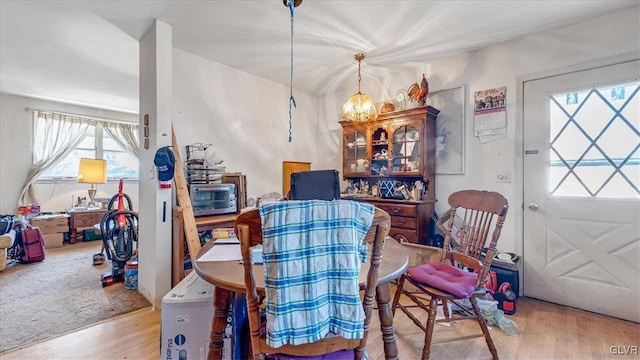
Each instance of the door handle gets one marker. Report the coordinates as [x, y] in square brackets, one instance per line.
[533, 207]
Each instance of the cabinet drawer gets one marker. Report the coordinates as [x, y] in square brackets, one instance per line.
[398, 209]
[406, 234]
[97, 218]
[86, 219]
[403, 222]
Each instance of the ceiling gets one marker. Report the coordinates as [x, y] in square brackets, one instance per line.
[86, 52]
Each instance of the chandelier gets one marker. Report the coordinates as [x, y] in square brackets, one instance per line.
[359, 107]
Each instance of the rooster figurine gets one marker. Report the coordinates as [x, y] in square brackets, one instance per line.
[413, 92]
[418, 93]
[424, 90]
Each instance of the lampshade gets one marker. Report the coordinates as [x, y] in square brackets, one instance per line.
[92, 171]
[359, 107]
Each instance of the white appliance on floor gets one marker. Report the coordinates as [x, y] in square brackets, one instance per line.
[187, 311]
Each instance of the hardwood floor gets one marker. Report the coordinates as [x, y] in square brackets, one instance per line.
[130, 336]
[545, 331]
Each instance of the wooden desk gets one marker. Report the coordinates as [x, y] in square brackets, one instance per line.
[178, 243]
[83, 219]
[228, 277]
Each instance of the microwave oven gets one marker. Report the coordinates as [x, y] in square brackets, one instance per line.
[213, 199]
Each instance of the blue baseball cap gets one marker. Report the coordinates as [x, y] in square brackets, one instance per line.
[165, 162]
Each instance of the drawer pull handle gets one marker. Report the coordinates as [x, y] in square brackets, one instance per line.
[402, 222]
[395, 209]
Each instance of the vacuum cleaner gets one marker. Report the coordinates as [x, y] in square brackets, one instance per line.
[119, 231]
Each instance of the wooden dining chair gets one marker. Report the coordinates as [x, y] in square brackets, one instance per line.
[249, 231]
[462, 269]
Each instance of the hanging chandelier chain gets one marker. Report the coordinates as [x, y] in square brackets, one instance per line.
[359, 77]
[359, 57]
[292, 101]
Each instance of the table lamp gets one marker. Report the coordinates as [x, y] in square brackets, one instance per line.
[92, 171]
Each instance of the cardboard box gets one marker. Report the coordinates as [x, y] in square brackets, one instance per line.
[3, 259]
[187, 311]
[53, 240]
[223, 233]
[50, 224]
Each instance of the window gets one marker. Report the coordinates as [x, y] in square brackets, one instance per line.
[98, 143]
[595, 142]
[119, 163]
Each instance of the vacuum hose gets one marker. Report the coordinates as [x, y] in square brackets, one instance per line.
[118, 240]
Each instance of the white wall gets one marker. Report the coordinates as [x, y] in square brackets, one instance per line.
[246, 119]
[16, 138]
[501, 65]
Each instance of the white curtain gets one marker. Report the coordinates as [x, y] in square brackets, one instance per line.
[126, 135]
[55, 136]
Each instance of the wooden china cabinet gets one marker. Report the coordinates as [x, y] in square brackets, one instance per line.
[390, 163]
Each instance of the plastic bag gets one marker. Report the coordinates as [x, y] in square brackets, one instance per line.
[490, 312]
[6, 223]
[496, 318]
[485, 303]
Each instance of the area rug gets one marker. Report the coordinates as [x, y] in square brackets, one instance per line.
[62, 293]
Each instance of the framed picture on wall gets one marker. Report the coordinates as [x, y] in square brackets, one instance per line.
[450, 129]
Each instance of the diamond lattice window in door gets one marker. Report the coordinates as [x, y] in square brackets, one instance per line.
[595, 142]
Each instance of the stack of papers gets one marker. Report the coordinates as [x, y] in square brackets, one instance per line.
[231, 240]
[223, 250]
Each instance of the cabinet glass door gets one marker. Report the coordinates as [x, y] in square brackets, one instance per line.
[380, 154]
[355, 153]
[406, 150]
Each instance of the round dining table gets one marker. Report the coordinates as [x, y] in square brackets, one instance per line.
[228, 278]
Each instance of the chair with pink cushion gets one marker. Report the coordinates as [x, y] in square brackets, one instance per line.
[461, 272]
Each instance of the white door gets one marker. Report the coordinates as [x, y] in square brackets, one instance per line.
[582, 190]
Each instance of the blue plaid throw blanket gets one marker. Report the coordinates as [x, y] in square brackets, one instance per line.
[312, 252]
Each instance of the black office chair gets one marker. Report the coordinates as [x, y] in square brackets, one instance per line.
[315, 185]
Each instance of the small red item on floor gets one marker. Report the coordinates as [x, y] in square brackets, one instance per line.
[107, 280]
